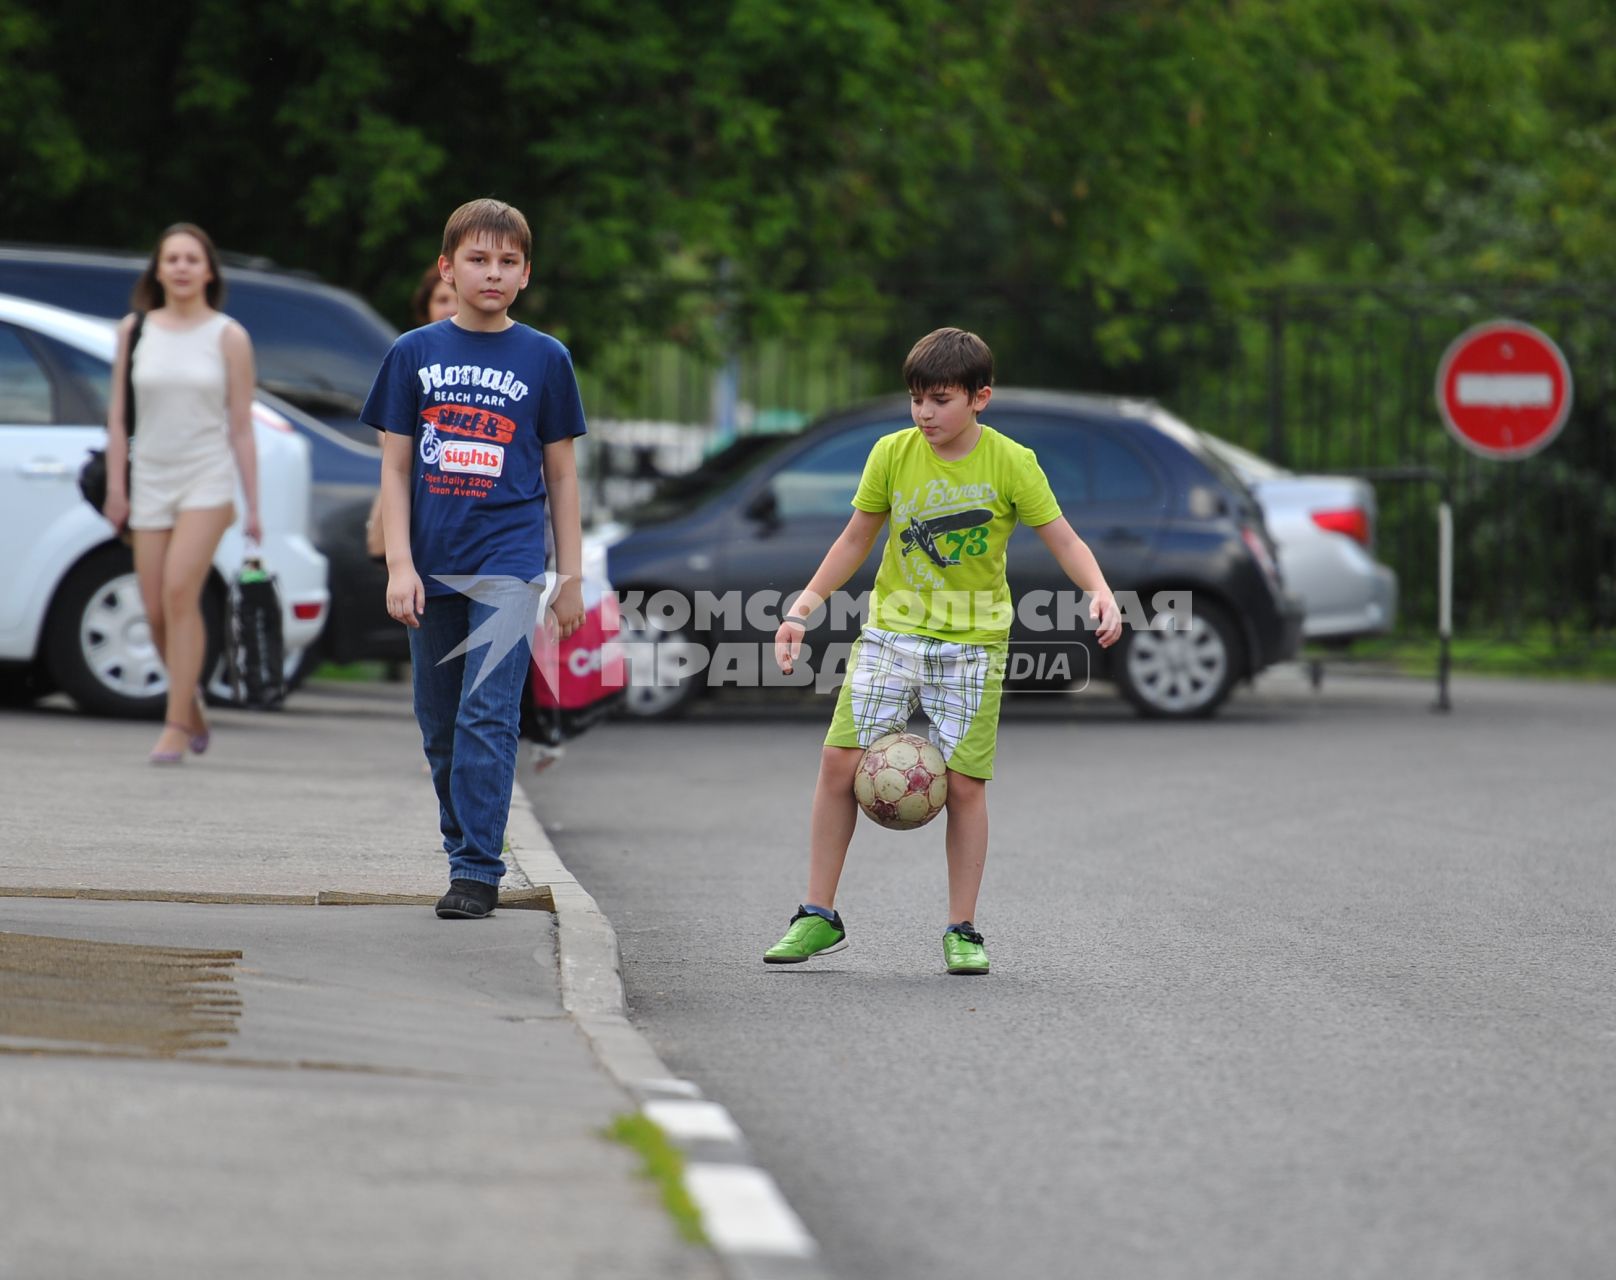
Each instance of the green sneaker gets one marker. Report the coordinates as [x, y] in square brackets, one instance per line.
[963, 951]
[810, 935]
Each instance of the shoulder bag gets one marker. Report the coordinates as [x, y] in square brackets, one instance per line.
[93, 474]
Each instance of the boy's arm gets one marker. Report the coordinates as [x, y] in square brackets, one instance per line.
[406, 597]
[561, 481]
[1078, 563]
[849, 550]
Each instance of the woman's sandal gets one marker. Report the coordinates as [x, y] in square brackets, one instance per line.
[173, 757]
[199, 741]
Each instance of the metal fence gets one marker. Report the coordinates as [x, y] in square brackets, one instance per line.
[1345, 379]
[1316, 379]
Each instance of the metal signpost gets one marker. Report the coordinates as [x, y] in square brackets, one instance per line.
[1504, 391]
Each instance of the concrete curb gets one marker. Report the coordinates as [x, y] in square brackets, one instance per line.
[528, 898]
[755, 1233]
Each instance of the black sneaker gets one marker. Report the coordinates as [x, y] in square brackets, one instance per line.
[468, 900]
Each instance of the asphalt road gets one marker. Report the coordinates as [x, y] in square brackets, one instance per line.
[1320, 988]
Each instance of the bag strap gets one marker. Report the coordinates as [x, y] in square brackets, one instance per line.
[129, 377]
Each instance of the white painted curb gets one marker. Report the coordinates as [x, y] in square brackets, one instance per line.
[755, 1233]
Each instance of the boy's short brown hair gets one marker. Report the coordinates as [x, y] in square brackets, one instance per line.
[949, 358]
[503, 222]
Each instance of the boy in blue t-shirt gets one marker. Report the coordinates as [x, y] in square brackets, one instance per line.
[479, 414]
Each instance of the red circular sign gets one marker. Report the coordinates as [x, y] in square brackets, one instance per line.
[1504, 389]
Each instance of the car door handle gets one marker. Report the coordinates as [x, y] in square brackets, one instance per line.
[1120, 534]
[44, 469]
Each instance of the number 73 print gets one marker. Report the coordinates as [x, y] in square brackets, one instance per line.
[972, 542]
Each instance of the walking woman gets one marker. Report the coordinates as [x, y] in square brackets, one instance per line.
[193, 382]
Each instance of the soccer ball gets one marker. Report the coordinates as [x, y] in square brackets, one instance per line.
[902, 782]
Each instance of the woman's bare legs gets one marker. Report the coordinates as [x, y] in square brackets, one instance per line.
[182, 639]
[151, 546]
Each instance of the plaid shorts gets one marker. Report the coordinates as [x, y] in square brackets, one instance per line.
[890, 673]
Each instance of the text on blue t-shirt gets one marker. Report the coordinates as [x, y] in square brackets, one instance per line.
[480, 408]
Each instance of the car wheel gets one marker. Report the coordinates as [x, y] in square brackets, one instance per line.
[654, 659]
[98, 644]
[1179, 674]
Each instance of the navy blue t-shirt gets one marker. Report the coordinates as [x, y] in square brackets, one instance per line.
[480, 407]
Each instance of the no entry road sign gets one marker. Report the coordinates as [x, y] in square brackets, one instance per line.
[1504, 389]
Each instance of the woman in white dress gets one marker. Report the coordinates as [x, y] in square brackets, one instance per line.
[193, 381]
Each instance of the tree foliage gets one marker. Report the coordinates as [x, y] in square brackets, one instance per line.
[1112, 154]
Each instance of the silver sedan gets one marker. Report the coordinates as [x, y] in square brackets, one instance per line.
[1324, 528]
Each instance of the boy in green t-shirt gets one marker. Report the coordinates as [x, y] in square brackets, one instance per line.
[939, 625]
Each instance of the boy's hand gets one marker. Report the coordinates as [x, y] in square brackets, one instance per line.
[567, 608]
[1103, 609]
[406, 597]
[788, 645]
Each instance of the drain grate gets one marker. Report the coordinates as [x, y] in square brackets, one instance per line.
[56, 992]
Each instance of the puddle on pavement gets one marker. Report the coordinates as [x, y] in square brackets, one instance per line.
[114, 996]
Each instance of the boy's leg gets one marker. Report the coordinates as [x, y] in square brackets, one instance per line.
[967, 843]
[487, 730]
[961, 698]
[817, 928]
[875, 698]
[830, 828]
[436, 680]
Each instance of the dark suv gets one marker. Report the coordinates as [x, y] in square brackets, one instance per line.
[317, 347]
[1167, 519]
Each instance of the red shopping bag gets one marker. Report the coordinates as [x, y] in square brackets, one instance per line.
[577, 682]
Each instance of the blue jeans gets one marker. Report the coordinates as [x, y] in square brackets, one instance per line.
[470, 734]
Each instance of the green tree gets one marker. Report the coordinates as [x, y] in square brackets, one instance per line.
[1057, 166]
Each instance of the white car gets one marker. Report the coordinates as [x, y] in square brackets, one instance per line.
[1324, 529]
[70, 610]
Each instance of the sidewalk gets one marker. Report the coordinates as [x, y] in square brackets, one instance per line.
[363, 1090]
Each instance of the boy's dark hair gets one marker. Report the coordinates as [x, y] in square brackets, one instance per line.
[149, 293]
[503, 222]
[949, 358]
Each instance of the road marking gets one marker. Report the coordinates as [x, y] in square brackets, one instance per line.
[743, 1211]
[684, 1088]
[693, 1121]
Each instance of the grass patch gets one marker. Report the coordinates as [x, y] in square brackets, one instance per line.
[663, 1164]
[1536, 655]
[351, 672]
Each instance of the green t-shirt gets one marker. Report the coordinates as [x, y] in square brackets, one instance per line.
[942, 574]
